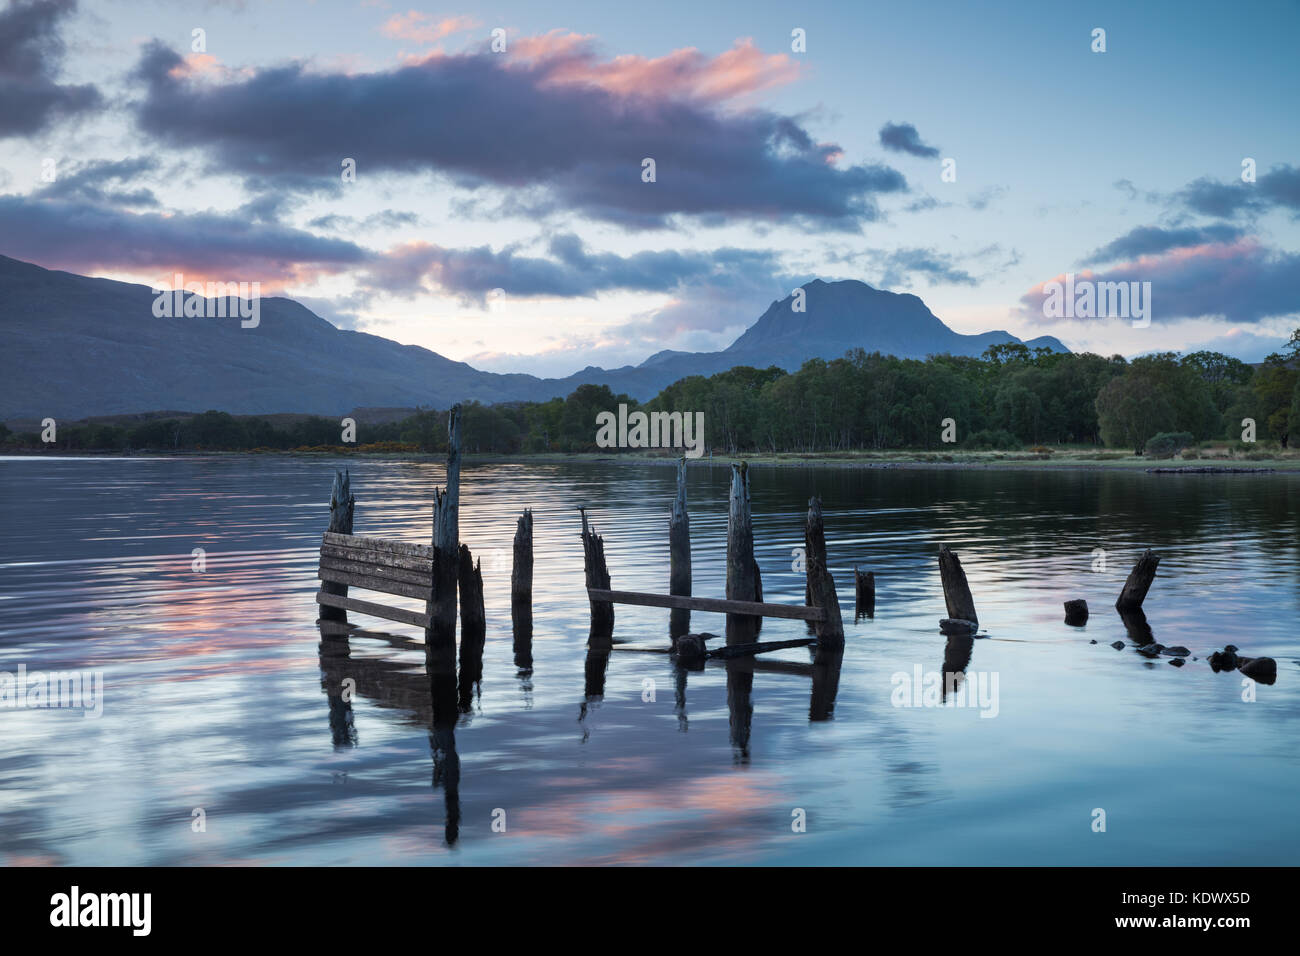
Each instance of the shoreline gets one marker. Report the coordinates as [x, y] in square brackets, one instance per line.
[899, 461]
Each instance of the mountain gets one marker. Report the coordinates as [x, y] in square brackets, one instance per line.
[73, 346]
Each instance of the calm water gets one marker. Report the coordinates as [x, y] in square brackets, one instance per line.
[220, 694]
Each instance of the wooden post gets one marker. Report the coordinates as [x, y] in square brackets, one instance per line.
[342, 504]
[864, 604]
[679, 555]
[473, 627]
[1139, 582]
[446, 542]
[956, 592]
[820, 583]
[593, 555]
[521, 590]
[1076, 612]
[742, 571]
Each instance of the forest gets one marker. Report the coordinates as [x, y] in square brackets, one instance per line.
[1009, 398]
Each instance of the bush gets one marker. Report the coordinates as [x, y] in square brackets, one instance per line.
[1167, 444]
[993, 439]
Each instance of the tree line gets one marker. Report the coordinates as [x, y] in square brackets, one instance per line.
[1008, 398]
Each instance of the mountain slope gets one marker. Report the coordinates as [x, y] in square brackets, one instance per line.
[73, 346]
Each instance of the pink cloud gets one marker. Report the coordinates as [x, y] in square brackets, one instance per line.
[424, 28]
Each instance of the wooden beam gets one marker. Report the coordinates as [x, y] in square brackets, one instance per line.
[728, 651]
[752, 608]
[376, 544]
[423, 578]
[370, 583]
[374, 610]
[403, 561]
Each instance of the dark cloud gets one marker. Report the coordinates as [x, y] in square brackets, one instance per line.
[84, 237]
[899, 267]
[486, 120]
[1279, 188]
[571, 270]
[1240, 282]
[30, 53]
[903, 138]
[88, 181]
[384, 219]
[1152, 240]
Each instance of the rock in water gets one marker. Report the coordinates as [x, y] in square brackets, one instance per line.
[1261, 669]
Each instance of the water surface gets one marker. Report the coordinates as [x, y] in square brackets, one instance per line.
[221, 694]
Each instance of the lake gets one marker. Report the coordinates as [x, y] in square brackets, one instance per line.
[224, 737]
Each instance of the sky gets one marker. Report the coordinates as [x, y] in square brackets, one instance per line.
[472, 178]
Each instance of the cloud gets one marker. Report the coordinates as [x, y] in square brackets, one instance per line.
[84, 237]
[570, 270]
[1279, 188]
[87, 181]
[903, 138]
[425, 28]
[30, 53]
[1240, 282]
[1150, 240]
[566, 133]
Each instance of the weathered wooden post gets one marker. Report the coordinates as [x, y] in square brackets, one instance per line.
[446, 542]
[864, 604]
[521, 590]
[742, 570]
[679, 555]
[342, 504]
[597, 573]
[473, 627]
[1139, 582]
[820, 584]
[956, 592]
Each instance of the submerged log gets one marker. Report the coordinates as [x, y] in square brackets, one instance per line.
[679, 555]
[446, 542]
[956, 592]
[742, 571]
[342, 504]
[1139, 582]
[1076, 612]
[820, 584]
[864, 604]
[757, 647]
[597, 574]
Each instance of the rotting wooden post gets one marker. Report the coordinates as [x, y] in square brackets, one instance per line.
[742, 570]
[956, 592]
[446, 541]
[342, 504]
[521, 589]
[679, 555]
[473, 626]
[597, 573]
[1139, 581]
[864, 604]
[820, 583]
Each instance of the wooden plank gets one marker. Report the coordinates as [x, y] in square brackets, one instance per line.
[377, 544]
[754, 608]
[423, 578]
[374, 610]
[376, 584]
[406, 562]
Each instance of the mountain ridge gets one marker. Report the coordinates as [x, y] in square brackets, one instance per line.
[77, 346]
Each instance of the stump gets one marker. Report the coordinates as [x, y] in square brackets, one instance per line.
[820, 585]
[597, 574]
[473, 627]
[342, 504]
[956, 592]
[1139, 582]
[1076, 612]
[446, 542]
[864, 603]
[742, 571]
[521, 590]
[679, 555]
